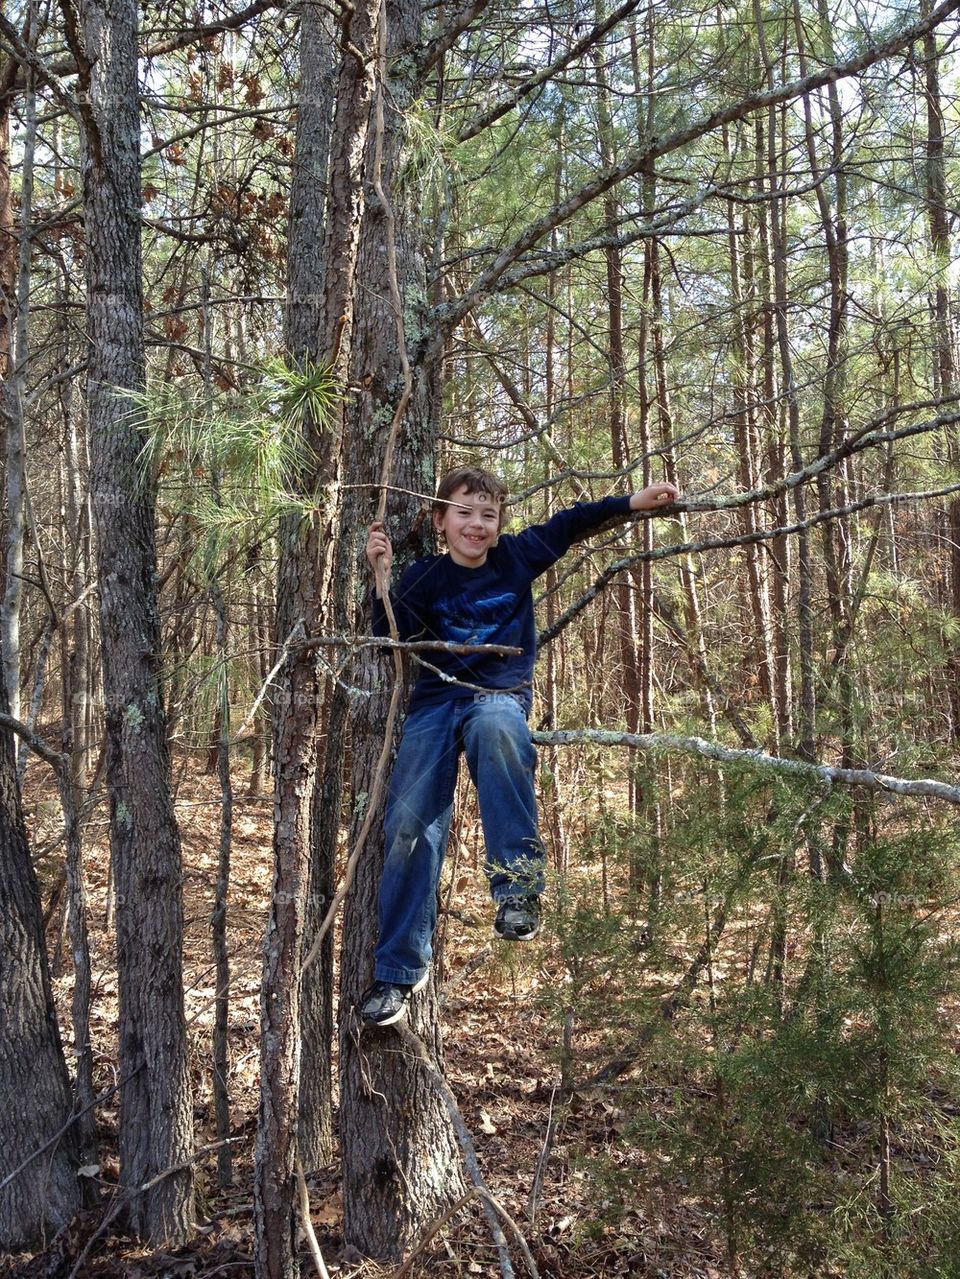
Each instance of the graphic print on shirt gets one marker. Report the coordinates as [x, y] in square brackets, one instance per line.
[464, 619]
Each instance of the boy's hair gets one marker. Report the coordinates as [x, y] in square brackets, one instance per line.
[474, 480]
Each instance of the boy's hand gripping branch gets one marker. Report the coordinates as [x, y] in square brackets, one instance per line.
[380, 556]
[653, 497]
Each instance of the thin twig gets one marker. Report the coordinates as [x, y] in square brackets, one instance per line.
[437, 1224]
[541, 1163]
[308, 1224]
[52, 1141]
[124, 1195]
[284, 650]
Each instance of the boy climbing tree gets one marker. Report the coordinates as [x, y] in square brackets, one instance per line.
[468, 703]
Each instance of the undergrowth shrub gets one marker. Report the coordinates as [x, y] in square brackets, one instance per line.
[781, 1044]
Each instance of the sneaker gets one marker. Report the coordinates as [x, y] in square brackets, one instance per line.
[385, 1002]
[518, 918]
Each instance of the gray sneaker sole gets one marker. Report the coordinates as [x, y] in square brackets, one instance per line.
[387, 1021]
[402, 1010]
[511, 936]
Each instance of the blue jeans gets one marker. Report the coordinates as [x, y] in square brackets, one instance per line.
[491, 730]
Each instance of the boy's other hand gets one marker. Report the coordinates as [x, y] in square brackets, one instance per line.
[654, 495]
[378, 546]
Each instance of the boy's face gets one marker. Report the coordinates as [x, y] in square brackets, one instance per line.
[470, 525]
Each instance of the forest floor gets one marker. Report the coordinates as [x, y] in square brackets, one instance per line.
[502, 1062]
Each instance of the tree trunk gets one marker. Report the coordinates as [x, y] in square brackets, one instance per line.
[400, 1164]
[155, 1102]
[16, 265]
[33, 1074]
[303, 583]
[302, 329]
[944, 365]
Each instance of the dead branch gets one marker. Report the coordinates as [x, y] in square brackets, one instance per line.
[304, 1197]
[675, 1002]
[407, 646]
[542, 1162]
[437, 1224]
[57, 761]
[447, 36]
[824, 773]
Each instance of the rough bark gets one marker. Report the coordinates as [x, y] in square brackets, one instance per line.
[305, 287]
[44, 1195]
[155, 1100]
[944, 364]
[12, 280]
[400, 1161]
[303, 585]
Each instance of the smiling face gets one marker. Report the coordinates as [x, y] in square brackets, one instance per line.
[470, 525]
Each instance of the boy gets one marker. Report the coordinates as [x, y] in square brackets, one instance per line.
[476, 593]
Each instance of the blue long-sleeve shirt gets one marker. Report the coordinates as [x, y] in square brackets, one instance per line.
[438, 599]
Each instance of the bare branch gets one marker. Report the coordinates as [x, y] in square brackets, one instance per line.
[445, 39]
[193, 35]
[408, 646]
[826, 773]
[492, 1208]
[23, 731]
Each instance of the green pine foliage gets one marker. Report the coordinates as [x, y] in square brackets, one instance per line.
[765, 1094]
[229, 465]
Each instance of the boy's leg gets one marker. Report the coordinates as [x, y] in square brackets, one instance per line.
[416, 827]
[501, 758]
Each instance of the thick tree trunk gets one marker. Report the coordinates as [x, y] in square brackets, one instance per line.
[155, 1103]
[400, 1162]
[303, 585]
[44, 1195]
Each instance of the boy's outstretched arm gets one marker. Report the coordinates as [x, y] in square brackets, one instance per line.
[652, 496]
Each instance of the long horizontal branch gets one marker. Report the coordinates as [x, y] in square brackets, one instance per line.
[407, 646]
[926, 787]
[720, 543]
[451, 313]
[866, 437]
